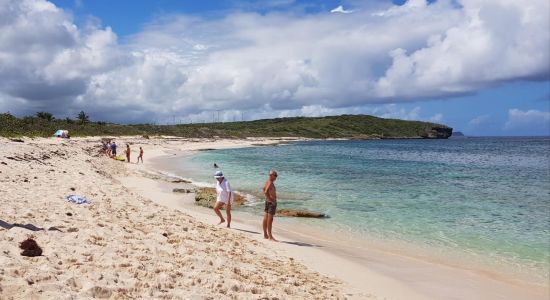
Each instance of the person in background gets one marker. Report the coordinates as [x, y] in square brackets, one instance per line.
[224, 197]
[270, 205]
[113, 149]
[127, 151]
[106, 148]
[140, 155]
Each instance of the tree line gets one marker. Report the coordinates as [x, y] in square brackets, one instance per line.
[82, 117]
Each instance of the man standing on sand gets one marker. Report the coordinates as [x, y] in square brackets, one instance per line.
[270, 205]
[140, 155]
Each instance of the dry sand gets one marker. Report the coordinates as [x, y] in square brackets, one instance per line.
[123, 245]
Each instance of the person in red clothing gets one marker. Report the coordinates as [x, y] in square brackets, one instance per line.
[127, 153]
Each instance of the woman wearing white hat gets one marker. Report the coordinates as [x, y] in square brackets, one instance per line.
[224, 196]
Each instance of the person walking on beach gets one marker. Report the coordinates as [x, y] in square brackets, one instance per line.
[140, 155]
[106, 148]
[270, 205]
[224, 197]
[127, 153]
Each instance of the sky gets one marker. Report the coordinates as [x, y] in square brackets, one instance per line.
[479, 66]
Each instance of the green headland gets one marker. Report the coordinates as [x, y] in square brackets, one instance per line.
[344, 126]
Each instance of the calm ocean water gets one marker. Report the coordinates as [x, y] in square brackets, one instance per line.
[484, 197]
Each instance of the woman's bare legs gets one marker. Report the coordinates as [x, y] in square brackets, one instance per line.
[217, 207]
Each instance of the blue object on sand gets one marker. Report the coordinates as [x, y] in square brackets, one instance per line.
[78, 199]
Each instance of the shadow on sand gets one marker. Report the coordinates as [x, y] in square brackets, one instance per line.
[247, 231]
[302, 244]
[30, 227]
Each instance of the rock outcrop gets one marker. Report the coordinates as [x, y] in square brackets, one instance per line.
[300, 213]
[437, 132]
[207, 197]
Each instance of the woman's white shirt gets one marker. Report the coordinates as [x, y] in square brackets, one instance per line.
[222, 189]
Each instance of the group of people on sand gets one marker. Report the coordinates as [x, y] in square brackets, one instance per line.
[225, 198]
[111, 147]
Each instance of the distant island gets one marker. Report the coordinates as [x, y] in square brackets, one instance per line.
[457, 134]
[344, 126]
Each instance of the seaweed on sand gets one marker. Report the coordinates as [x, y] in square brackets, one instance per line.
[30, 248]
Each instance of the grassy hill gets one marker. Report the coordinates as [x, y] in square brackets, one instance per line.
[344, 126]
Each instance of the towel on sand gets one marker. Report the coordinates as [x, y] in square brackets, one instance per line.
[78, 199]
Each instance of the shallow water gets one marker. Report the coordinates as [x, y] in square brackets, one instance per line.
[486, 198]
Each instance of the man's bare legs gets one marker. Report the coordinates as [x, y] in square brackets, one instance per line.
[267, 226]
[264, 226]
[217, 207]
[228, 212]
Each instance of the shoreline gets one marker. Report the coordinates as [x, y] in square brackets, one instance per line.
[121, 244]
[137, 235]
[494, 282]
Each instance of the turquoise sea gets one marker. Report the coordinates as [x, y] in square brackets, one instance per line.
[484, 198]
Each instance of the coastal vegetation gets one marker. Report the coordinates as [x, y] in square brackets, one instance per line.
[43, 124]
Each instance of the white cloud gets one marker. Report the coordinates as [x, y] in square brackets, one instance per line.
[487, 44]
[479, 121]
[535, 120]
[271, 63]
[340, 9]
[45, 59]
[437, 118]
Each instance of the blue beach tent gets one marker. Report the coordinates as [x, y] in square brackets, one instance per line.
[61, 133]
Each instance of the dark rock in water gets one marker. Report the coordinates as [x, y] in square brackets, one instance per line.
[180, 181]
[207, 197]
[300, 213]
[185, 191]
[17, 140]
[30, 248]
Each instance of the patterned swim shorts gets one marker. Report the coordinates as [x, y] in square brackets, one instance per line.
[270, 207]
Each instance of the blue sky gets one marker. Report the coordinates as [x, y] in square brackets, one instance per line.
[158, 61]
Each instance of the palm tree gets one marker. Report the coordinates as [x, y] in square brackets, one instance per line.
[45, 116]
[83, 117]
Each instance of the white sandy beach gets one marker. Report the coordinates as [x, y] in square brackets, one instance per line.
[137, 239]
